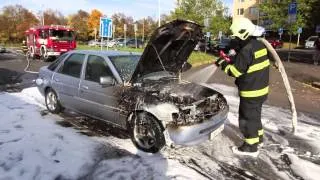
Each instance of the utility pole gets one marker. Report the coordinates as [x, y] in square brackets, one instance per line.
[159, 18]
[143, 30]
[42, 6]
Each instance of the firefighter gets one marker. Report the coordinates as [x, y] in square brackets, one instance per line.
[250, 66]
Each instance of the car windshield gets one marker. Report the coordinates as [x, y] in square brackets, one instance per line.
[61, 34]
[312, 38]
[125, 65]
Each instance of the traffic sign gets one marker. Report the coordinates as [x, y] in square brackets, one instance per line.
[292, 11]
[280, 31]
[292, 8]
[105, 27]
[299, 30]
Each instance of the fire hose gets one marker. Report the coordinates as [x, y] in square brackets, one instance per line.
[284, 76]
[28, 64]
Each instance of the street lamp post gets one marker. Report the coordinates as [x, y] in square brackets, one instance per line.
[159, 23]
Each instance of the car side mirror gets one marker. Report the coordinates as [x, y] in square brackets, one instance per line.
[107, 81]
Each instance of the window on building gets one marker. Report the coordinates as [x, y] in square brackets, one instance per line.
[253, 11]
[240, 11]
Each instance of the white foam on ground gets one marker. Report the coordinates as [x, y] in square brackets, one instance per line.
[35, 147]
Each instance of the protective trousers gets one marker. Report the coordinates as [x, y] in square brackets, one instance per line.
[250, 119]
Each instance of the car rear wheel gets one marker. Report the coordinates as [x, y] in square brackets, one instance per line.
[146, 133]
[52, 102]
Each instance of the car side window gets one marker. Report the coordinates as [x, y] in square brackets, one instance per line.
[72, 66]
[97, 67]
[55, 63]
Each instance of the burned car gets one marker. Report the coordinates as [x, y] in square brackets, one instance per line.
[143, 94]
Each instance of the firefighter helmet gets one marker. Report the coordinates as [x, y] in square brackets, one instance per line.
[242, 28]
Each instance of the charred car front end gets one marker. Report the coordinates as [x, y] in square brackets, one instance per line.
[190, 113]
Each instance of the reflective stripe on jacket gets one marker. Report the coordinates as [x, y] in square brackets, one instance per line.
[251, 69]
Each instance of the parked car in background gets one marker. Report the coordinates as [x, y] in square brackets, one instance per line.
[275, 43]
[94, 43]
[310, 42]
[113, 42]
[223, 44]
[140, 93]
[2, 49]
[132, 43]
[202, 45]
[121, 42]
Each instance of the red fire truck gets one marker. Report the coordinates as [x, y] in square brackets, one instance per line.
[50, 41]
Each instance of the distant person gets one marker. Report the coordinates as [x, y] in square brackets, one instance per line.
[316, 55]
[250, 66]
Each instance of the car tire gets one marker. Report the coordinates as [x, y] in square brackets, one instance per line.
[52, 103]
[152, 140]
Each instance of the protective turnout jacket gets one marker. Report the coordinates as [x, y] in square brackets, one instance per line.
[250, 67]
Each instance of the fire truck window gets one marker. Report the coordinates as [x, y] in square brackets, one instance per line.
[97, 67]
[55, 64]
[72, 66]
[44, 34]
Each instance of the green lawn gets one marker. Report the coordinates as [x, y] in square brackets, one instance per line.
[196, 58]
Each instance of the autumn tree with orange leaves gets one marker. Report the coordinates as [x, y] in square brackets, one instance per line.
[14, 21]
[94, 22]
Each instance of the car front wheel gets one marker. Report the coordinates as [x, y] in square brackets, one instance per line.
[52, 102]
[146, 133]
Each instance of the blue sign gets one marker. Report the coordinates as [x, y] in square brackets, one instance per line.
[292, 11]
[105, 27]
[280, 30]
[292, 8]
[299, 30]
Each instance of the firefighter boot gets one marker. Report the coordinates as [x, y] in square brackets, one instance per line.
[246, 149]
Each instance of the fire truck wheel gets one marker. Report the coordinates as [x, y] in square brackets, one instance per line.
[43, 55]
[31, 54]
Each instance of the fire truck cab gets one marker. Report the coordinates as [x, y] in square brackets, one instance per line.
[50, 41]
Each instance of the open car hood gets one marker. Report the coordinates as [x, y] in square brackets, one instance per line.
[168, 48]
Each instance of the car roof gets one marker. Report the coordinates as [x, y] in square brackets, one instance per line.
[105, 53]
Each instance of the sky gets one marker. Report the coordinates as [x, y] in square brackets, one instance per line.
[135, 8]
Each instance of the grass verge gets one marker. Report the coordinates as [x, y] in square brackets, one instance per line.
[195, 59]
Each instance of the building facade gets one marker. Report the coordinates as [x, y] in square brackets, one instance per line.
[246, 8]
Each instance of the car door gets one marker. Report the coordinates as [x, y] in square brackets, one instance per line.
[97, 100]
[66, 80]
